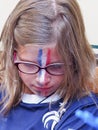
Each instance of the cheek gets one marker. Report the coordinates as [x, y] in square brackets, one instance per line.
[25, 78]
[57, 82]
[59, 79]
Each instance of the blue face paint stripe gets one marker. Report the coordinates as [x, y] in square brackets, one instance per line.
[40, 53]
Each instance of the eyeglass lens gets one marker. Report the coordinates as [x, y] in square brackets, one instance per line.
[30, 68]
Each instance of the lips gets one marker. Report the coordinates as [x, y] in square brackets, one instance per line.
[41, 88]
[43, 91]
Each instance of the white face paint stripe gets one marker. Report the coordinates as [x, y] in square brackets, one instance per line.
[42, 76]
[43, 59]
[43, 72]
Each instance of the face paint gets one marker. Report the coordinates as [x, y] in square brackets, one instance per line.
[40, 53]
[48, 57]
[43, 60]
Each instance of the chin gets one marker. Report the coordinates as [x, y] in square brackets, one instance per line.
[45, 94]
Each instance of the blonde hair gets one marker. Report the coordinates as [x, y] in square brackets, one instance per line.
[42, 22]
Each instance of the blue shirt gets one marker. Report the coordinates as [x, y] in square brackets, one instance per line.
[45, 116]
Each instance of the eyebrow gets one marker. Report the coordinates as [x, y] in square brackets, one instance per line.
[25, 60]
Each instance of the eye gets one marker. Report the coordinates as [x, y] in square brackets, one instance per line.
[56, 67]
[27, 67]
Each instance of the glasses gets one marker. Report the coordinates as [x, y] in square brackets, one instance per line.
[32, 68]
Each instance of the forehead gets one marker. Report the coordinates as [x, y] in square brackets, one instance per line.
[30, 51]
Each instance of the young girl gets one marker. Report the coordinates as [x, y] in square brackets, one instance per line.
[47, 65]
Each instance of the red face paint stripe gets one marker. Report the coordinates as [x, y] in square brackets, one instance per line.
[48, 56]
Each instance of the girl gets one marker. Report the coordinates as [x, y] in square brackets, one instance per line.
[47, 65]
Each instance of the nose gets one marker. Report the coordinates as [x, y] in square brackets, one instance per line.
[43, 78]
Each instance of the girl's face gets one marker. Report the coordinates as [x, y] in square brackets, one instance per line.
[39, 81]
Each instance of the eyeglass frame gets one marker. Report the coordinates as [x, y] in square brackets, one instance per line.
[39, 67]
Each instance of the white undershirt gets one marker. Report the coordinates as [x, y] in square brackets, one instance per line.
[35, 99]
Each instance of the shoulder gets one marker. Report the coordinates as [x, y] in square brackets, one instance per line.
[85, 102]
[69, 119]
[88, 103]
[91, 99]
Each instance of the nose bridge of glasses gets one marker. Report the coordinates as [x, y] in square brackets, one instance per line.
[49, 69]
[42, 68]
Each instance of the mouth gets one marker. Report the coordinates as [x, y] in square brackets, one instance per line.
[42, 88]
[44, 91]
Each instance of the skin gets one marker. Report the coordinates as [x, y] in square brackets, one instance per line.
[41, 83]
